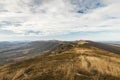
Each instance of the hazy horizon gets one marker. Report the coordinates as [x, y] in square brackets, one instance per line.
[58, 40]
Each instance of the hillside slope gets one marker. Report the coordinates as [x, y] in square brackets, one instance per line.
[118, 45]
[114, 49]
[15, 52]
[79, 60]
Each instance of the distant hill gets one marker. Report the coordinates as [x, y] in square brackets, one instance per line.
[106, 47]
[5, 44]
[75, 60]
[117, 45]
[110, 42]
[12, 51]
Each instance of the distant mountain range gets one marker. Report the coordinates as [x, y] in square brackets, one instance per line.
[62, 60]
[16, 51]
[110, 42]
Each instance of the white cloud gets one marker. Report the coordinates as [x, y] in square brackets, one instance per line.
[59, 17]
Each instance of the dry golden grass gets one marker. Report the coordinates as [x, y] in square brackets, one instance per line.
[76, 63]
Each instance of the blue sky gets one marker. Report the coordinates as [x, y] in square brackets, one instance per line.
[59, 19]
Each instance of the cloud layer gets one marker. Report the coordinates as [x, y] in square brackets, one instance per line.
[58, 17]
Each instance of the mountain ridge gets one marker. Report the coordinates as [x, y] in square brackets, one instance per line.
[69, 61]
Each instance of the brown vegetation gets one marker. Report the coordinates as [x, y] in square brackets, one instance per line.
[69, 61]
